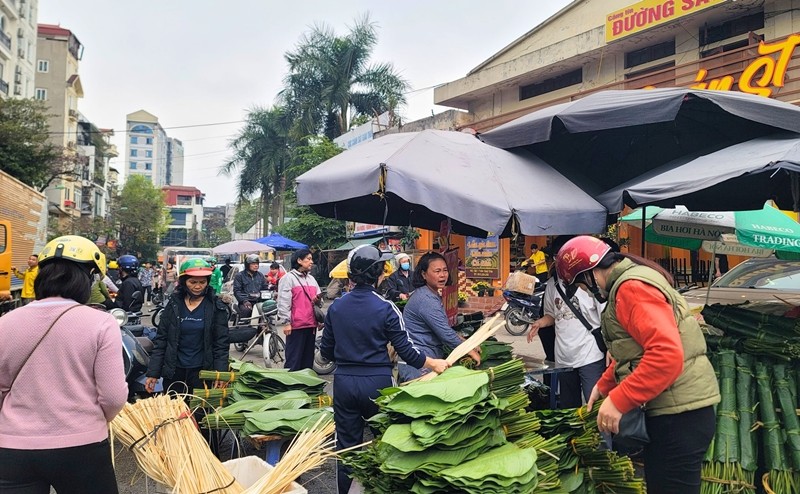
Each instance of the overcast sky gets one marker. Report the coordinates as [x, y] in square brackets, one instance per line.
[193, 62]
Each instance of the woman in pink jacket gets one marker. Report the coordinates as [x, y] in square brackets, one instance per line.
[61, 379]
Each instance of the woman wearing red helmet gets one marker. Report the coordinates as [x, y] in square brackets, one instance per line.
[659, 360]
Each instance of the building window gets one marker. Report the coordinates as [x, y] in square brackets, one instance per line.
[148, 166]
[184, 200]
[178, 217]
[142, 129]
[752, 40]
[148, 154]
[43, 66]
[134, 140]
[650, 53]
[149, 140]
[658, 76]
[41, 94]
[729, 29]
[132, 165]
[550, 85]
[134, 152]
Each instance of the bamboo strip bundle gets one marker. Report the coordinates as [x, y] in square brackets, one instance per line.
[487, 329]
[168, 447]
[309, 450]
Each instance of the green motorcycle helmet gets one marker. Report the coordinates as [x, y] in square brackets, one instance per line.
[195, 267]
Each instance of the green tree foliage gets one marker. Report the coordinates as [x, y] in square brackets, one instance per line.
[305, 225]
[214, 232]
[246, 215]
[141, 216]
[331, 80]
[262, 154]
[25, 152]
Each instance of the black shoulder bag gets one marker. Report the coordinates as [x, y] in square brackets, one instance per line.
[318, 314]
[598, 336]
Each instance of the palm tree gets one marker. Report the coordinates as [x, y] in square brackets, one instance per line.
[262, 154]
[330, 80]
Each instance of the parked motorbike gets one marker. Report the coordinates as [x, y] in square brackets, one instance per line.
[521, 309]
[260, 329]
[136, 350]
[321, 365]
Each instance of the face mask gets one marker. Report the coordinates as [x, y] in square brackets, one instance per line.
[405, 266]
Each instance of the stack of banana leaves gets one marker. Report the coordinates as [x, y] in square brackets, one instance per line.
[467, 431]
[234, 416]
[753, 332]
[250, 381]
[493, 353]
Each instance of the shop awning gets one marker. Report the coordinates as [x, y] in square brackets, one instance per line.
[352, 244]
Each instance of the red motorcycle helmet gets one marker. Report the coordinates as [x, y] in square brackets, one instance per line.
[578, 255]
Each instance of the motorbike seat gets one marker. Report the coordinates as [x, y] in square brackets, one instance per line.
[521, 298]
[146, 343]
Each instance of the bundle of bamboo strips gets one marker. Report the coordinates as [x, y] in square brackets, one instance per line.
[483, 333]
[169, 448]
[309, 450]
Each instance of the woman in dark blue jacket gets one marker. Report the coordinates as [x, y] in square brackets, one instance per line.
[192, 334]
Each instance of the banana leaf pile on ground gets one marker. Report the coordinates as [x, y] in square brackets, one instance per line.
[757, 441]
[467, 431]
[234, 415]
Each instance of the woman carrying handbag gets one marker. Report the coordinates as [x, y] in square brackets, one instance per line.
[61, 379]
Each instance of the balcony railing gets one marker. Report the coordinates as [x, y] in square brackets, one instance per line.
[5, 40]
[3, 86]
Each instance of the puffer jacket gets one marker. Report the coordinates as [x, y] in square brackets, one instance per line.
[216, 349]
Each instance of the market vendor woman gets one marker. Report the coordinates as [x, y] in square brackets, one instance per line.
[424, 315]
[658, 362]
[358, 327]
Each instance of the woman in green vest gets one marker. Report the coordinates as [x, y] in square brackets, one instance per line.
[659, 360]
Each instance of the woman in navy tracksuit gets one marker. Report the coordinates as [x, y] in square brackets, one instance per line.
[358, 327]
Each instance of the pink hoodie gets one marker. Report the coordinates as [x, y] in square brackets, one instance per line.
[72, 385]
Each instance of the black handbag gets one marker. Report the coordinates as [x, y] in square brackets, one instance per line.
[319, 315]
[632, 430]
[596, 333]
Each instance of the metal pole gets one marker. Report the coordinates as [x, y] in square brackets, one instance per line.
[644, 225]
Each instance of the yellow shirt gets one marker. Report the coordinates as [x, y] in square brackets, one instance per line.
[27, 281]
[538, 257]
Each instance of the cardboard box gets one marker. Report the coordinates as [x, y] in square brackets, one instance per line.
[246, 471]
[521, 282]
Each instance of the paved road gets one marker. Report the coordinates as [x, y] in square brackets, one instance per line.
[132, 481]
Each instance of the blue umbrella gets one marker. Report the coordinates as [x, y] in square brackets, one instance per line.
[279, 242]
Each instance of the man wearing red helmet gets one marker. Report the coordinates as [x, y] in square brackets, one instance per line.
[659, 360]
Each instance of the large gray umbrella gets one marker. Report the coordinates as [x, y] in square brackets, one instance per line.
[610, 137]
[738, 177]
[420, 178]
[241, 247]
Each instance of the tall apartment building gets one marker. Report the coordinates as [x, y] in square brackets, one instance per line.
[18, 47]
[175, 163]
[58, 85]
[150, 152]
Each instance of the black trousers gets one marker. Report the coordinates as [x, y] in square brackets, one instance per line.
[352, 404]
[547, 335]
[674, 457]
[78, 470]
[300, 349]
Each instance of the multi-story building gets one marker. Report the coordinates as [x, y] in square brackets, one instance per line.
[175, 162]
[593, 45]
[186, 208]
[18, 41]
[151, 153]
[94, 154]
[58, 85]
